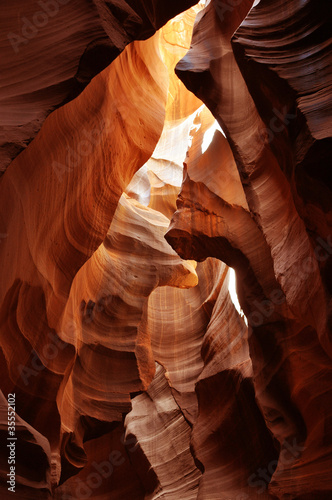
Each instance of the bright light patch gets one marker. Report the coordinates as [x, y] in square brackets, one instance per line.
[233, 294]
[208, 136]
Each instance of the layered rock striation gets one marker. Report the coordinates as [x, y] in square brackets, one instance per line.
[144, 161]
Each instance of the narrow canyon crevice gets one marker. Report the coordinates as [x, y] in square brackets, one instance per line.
[148, 151]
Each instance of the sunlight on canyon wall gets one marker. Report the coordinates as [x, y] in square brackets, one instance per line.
[165, 240]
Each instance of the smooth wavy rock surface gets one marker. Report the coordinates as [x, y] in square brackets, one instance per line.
[165, 242]
[51, 49]
[278, 318]
[33, 470]
[299, 49]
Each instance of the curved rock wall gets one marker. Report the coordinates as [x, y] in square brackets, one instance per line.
[139, 167]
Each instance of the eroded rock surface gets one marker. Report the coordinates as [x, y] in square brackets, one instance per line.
[142, 166]
[51, 49]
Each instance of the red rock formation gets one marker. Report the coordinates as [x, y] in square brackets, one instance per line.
[135, 374]
[30, 455]
[60, 170]
[282, 294]
[111, 292]
[51, 49]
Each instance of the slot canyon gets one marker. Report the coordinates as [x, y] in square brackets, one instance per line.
[166, 250]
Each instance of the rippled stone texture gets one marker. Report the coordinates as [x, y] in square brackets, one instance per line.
[270, 242]
[51, 49]
[137, 374]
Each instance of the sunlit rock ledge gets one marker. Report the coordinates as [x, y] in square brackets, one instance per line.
[165, 243]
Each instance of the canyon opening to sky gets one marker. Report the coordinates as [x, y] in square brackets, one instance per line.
[166, 250]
